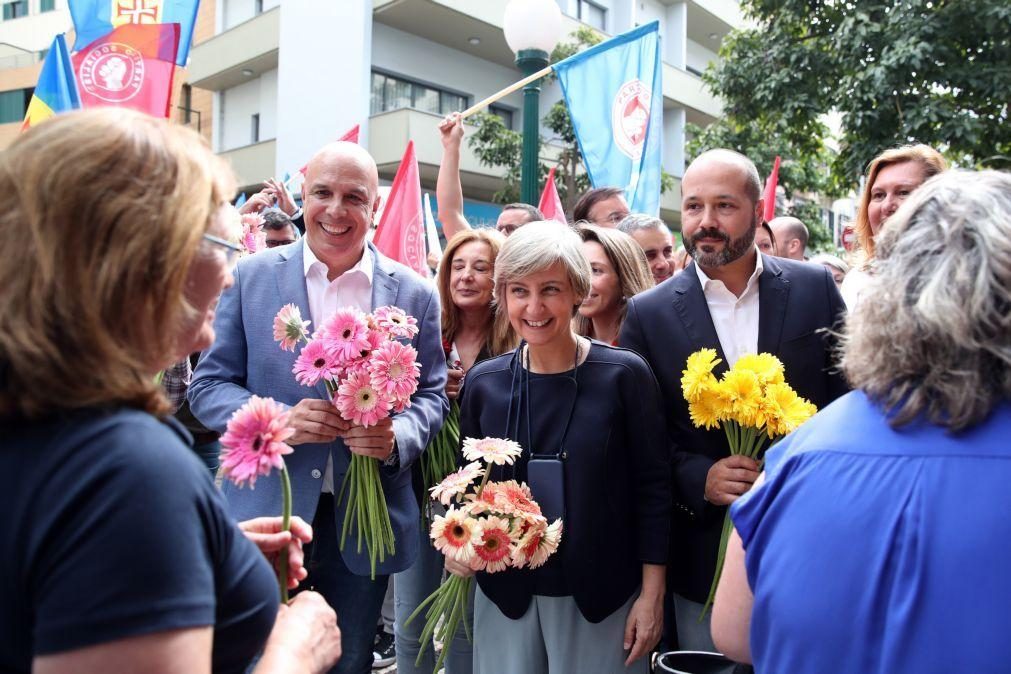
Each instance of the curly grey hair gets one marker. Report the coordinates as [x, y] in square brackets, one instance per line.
[933, 338]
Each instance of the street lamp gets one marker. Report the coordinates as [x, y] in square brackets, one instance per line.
[532, 29]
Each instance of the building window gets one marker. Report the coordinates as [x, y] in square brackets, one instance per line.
[14, 105]
[47, 5]
[592, 14]
[254, 129]
[186, 103]
[394, 93]
[506, 114]
[15, 9]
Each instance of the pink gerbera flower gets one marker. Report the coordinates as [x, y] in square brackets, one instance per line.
[456, 483]
[492, 545]
[255, 440]
[254, 239]
[395, 322]
[315, 363]
[346, 334]
[289, 328]
[513, 498]
[359, 402]
[394, 370]
[453, 535]
[538, 543]
[491, 450]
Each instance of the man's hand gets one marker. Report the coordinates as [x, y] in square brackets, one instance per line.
[256, 203]
[266, 534]
[451, 131]
[454, 380]
[283, 197]
[305, 637]
[458, 568]
[375, 441]
[729, 478]
[316, 420]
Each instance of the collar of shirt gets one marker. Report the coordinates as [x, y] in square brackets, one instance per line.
[312, 264]
[709, 284]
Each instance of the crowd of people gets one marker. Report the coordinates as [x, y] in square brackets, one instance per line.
[868, 540]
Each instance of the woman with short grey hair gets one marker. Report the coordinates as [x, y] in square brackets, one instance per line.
[876, 539]
[583, 412]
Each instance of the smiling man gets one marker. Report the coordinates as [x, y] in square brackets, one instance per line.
[736, 300]
[330, 268]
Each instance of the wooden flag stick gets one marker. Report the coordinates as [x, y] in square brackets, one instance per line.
[478, 107]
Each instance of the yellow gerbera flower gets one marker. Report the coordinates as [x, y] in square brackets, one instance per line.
[744, 392]
[785, 410]
[709, 408]
[697, 377]
[766, 367]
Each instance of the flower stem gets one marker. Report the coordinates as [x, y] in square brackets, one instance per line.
[282, 566]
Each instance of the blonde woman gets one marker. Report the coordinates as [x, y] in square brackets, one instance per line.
[119, 554]
[891, 177]
[618, 270]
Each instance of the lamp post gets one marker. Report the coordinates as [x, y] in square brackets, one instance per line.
[532, 28]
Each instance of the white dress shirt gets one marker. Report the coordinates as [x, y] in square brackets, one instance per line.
[353, 288]
[735, 318]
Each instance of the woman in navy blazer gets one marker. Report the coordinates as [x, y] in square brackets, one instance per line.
[596, 605]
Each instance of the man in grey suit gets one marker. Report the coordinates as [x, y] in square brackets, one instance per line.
[331, 267]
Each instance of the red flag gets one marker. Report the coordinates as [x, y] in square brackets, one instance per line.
[351, 136]
[401, 232]
[130, 67]
[551, 205]
[770, 191]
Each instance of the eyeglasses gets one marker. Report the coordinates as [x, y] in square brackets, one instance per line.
[233, 250]
[272, 243]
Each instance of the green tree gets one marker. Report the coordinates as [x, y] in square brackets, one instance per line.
[897, 71]
[496, 146]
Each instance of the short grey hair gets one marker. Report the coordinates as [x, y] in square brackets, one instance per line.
[533, 249]
[636, 222]
[931, 336]
[833, 261]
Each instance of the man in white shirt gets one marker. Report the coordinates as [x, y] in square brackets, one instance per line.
[735, 300]
[331, 267]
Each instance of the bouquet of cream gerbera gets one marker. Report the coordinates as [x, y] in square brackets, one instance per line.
[493, 528]
[369, 375]
[752, 402]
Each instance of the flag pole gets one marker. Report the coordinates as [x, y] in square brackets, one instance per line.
[478, 107]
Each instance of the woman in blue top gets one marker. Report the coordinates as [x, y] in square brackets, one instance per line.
[118, 553]
[878, 540]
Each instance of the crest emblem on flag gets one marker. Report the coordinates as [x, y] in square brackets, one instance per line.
[630, 117]
[112, 72]
[136, 11]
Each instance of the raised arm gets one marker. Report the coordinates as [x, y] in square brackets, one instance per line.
[448, 190]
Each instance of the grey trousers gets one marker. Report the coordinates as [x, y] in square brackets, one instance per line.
[551, 637]
[692, 634]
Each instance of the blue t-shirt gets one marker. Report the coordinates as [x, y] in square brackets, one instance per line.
[878, 550]
[112, 529]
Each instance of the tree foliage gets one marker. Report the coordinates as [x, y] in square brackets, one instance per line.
[897, 71]
[496, 146]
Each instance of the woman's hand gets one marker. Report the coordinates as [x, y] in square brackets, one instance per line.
[458, 568]
[266, 534]
[644, 624]
[305, 637]
[454, 380]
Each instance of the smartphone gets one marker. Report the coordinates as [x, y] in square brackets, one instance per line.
[546, 478]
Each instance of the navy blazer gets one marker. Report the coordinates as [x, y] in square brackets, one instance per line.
[245, 360]
[666, 324]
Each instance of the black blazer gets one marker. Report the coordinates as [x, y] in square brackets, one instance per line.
[617, 486]
[668, 323]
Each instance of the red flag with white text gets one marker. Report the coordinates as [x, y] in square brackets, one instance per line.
[351, 136]
[401, 232]
[131, 67]
[551, 205]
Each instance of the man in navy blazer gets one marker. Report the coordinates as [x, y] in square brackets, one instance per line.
[733, 299]
[332, 266]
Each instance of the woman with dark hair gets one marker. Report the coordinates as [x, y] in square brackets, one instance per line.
[876, 540]
[119, 553]
[765, 239]
[601, 206]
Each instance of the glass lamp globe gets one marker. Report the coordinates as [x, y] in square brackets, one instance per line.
[532, 24]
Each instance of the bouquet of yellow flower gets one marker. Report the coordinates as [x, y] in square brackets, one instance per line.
[752, 402]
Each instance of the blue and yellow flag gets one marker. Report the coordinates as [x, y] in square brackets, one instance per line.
[96, 18]
[614, 92]
[56, 90]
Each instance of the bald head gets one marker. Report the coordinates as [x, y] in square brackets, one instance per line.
[730, 161]
[343, 153]
[791, 237]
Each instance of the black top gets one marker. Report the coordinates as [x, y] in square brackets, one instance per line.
[616, 471]
[114, 529]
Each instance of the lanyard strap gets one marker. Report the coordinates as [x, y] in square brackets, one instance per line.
[525, 393]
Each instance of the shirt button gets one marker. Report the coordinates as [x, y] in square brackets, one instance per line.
[316, 473]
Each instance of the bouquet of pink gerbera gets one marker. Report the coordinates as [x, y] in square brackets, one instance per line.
[493, 528]
[369, 375]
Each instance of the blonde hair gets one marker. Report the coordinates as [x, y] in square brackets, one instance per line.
[499, 337]
[629, 263]
[106, 209]
[932, 163]
[535, 247]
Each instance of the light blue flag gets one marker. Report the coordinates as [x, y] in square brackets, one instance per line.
[95, 18]
[614, 92]
[241, 200]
